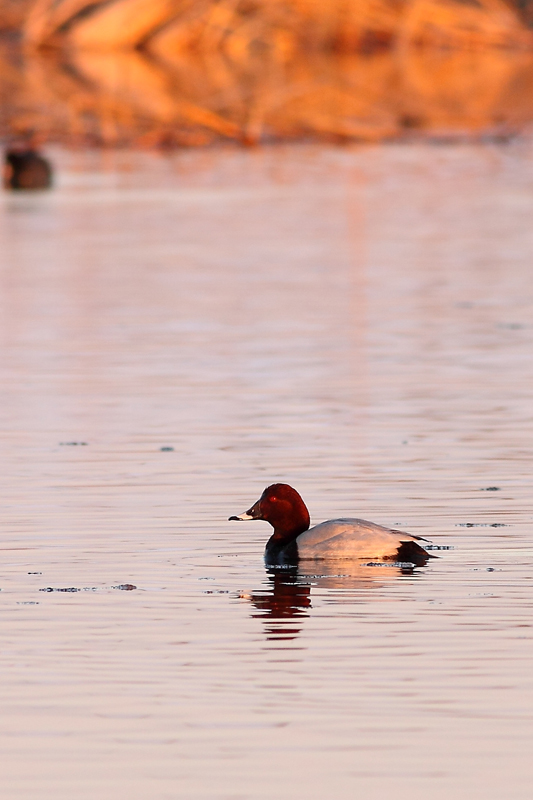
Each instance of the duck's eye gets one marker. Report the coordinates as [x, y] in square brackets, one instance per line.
[273, 499]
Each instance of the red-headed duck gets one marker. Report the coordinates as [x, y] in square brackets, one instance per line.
[293, 540]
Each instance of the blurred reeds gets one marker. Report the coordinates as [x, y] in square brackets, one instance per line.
[186, 72]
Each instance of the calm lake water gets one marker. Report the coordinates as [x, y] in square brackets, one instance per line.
[356, 322]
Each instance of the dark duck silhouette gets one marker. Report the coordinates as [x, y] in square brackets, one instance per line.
[26, 168]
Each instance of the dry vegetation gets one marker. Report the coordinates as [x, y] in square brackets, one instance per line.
[190, 71]
[240, 25]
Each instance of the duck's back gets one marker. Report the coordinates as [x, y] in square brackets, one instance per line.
[351, 538]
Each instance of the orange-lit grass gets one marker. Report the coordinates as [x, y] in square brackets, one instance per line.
[189, 72]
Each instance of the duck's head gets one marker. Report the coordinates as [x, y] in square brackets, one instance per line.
[282, 506]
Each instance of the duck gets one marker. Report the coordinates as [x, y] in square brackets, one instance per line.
[26, 168]
[293, 540]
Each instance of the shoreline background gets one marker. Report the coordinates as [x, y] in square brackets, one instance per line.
[168, 74]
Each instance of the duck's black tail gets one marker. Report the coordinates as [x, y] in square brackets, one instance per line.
[411, 551]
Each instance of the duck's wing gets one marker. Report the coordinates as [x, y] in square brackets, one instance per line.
[351, 538]
[409, 535]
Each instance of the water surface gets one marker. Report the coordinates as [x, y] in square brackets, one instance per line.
[356, 322]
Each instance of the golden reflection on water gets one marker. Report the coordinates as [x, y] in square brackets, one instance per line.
[115, 97]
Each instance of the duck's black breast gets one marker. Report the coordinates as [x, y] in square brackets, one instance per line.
[282, 555]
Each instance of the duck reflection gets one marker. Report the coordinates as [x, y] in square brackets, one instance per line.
[285, 600]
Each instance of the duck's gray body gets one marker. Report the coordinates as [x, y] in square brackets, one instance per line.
[351, 538]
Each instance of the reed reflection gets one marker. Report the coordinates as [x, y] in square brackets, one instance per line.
[170, 96]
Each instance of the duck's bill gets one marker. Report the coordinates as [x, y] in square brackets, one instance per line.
[253, 513]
